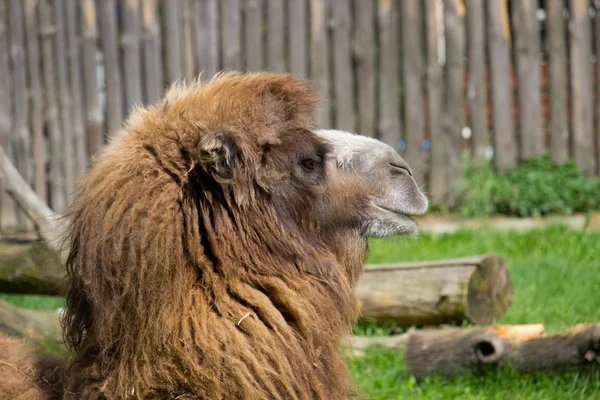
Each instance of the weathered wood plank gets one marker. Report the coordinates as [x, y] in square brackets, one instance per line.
[319, 65]
[21, 138]
[597, 72]
[36, 113]
[298, 37]
[364, 62]
[505, 145]
[476, 94]
[412, 69]
[453, 120]
[130, 44]
[7, 205]
[151, 40]
[389, 124]
[76, 114]
[172, 42]
[58, 199]
[581, 91]
[187, 41]
[342, 67]
[558, 82]
[112, 71]
[275, 36]
[94, 114]
[230, 34]
[438, 184]
[527, 59]
[206, 28]
[65, 102]
[253, 35]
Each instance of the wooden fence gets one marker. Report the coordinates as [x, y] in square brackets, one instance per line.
[434, 78]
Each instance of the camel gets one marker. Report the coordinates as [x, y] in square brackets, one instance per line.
[215, 244]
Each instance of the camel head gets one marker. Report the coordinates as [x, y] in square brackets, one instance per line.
[394, 194]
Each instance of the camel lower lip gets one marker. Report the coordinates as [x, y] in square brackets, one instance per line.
[395, 212]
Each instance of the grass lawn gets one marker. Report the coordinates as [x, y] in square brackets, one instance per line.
[556, 278]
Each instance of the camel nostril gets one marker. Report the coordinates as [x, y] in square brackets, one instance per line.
[403, 169]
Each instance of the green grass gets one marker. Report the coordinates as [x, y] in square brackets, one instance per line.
[556, 278]
[555, 273]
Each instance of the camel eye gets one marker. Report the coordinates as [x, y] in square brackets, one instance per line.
[309, 164]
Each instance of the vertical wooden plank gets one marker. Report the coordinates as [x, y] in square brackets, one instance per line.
[130, 45]
[73, 43]
[581, 90]
[230, 34]
[7, 205]
[207, 37]
[596, 4]
[298, 37]
[275, 36]
[389, 103]
[64, 96]
[172, 42]
[364, 61]
[342, 67]
[21, 106]
[94, 114]
[412, 67]
[36, 114]
[153, 73]
[319, 63]
[253, 35]
[505, 146]
[58, 199]
[556, 47]
[453, 122]
[527, 59]
[438, 184]
[112, 71]
[476, 93]
[187, 44]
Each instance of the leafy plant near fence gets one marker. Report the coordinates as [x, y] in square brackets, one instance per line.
[535, 187]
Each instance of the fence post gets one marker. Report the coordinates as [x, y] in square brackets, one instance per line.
[342, 67]
[36, 114]
[389, 123]
[94, 114]
[253, 35]
[297, 45]
[112, 71]
[76, 120]
[438, 184]
[453, 120]
[207, 37]
[153, 73]
[505, 145]
[130, 42]
[529, 86]
[172, 42]
[556, 48]
[275, 36]
[230, 34]
[364, 60]
[476, 94]
[581, 90]
[412, 65]
[319, 64]
[58, 200]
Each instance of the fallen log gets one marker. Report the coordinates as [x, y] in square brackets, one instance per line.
[31, 324]
[452, 350]
[360, 343]
[476, 289]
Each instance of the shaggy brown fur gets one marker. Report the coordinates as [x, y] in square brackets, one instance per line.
[213, 256]
[26, 376]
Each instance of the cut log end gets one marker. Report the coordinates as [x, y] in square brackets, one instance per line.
[490, 291]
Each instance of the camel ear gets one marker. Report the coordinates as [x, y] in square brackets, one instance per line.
[218, 155]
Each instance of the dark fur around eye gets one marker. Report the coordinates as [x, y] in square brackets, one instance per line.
[309, 164]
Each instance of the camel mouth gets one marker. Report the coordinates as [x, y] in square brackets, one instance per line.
[397, 213]
[391, 222]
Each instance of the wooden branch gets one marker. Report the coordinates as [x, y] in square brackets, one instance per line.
[454, 349]
[477, 289]
[47, 221]
[31, 324]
